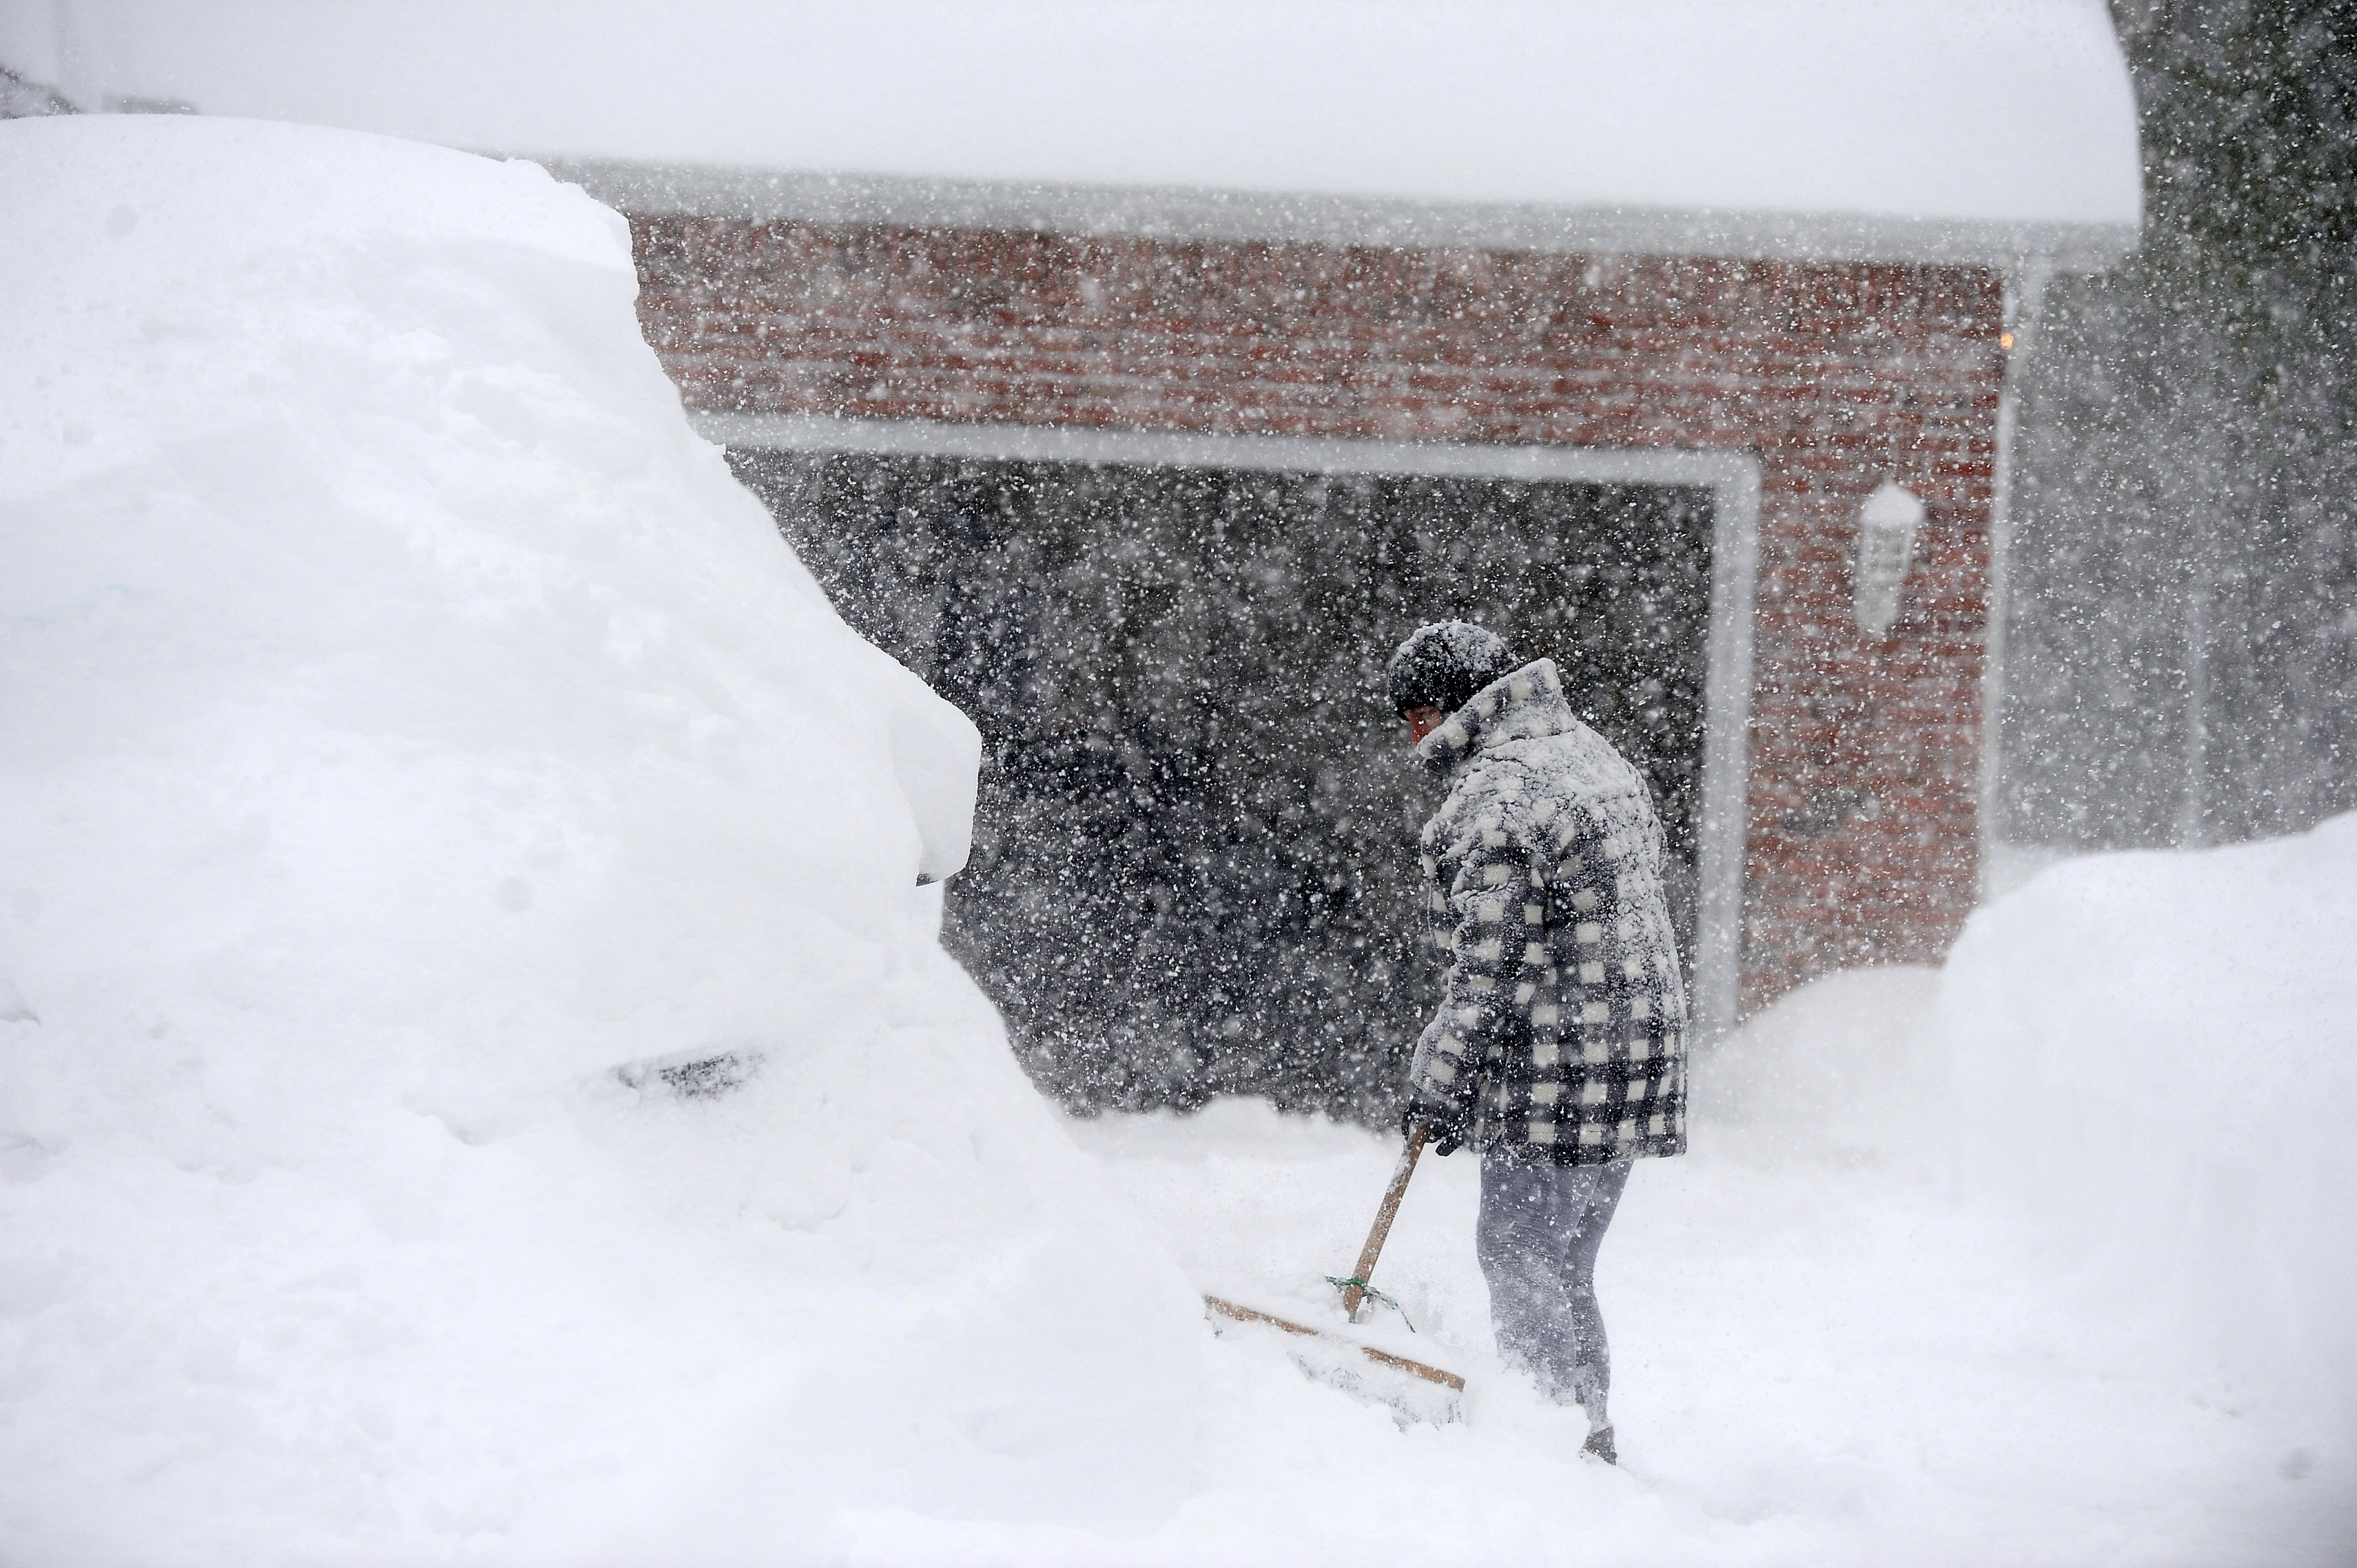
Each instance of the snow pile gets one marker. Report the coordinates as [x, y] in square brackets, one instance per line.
[1851, 1069]
[2149, 1058]
[2156, 1056]
[408, 721]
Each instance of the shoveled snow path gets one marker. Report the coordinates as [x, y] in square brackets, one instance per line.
[1814, 1361]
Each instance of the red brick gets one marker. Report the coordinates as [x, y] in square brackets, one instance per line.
[1836, 375]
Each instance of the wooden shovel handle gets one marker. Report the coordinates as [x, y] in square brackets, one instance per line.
[1352, 1295]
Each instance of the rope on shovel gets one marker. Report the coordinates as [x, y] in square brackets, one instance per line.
[1370, 1293]
[1355, 1289]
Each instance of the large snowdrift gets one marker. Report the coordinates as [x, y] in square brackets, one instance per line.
[2150, 1059]
[2156, 1058]
[408, 721]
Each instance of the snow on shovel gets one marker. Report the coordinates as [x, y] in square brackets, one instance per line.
[1344, 1362]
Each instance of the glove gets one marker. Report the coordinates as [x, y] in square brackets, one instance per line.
[1444, 1127]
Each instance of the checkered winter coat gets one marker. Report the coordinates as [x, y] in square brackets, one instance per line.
[1563, 1025]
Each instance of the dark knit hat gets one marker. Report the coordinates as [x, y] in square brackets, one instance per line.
[1445, 663]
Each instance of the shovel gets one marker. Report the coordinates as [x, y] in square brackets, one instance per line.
[1355, 1289]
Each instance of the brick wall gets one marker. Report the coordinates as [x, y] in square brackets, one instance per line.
[1865, 752]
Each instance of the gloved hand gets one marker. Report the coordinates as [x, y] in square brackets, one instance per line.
[1444, 1127]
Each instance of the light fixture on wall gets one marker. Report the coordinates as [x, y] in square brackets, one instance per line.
[1886, 549]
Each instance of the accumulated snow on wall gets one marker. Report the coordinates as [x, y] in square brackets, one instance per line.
[408, 722]
[2156, 1058]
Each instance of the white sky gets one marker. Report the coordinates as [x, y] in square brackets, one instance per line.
[2003, 110]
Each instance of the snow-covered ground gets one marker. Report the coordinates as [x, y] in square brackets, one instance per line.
[408, 722]
[1832, 1343]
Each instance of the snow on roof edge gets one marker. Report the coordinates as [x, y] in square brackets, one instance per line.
[650, 190]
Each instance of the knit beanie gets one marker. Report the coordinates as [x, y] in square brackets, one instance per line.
[1445, 663]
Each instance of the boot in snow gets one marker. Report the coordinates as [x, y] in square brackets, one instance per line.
[1599, 1443]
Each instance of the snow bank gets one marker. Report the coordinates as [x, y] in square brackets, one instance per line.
[2149, 1058]
[2156, 1056]
[1851, 1069]
[408, 721]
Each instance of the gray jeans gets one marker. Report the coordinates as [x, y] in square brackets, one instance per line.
[1541, 1225]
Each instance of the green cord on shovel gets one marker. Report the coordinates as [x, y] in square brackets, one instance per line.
[1370, 1293]
[1356, 1289]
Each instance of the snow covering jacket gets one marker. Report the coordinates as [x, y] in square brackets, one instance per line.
[1562, 1027]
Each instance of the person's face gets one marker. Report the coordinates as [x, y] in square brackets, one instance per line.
[1422, 721]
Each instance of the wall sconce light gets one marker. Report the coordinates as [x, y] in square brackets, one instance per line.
[1886, 549]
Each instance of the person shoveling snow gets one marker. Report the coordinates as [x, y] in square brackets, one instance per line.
[1558, 1046]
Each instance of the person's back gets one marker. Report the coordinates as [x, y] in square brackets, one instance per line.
[1581, 1009]
[1558, 1048]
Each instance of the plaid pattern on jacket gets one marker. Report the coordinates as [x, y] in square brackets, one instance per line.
[1562, 1026]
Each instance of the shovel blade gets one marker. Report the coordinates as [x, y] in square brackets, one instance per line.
[1359, 1368]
